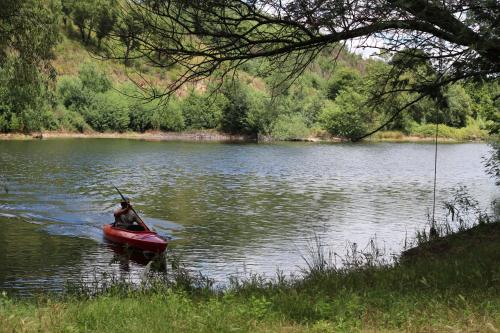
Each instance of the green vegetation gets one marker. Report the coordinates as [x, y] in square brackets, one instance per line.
[28, 33]
[84, 94]
[445, 284]
[473, 131]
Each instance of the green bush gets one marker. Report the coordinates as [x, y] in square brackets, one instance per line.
[29, 120]
[70, 120]
[311, 108]
[290, 128]
[234, 113]
[4, 123]
[24, 97]
[70, 91]
[203, 112]
[141, 116]
[78, 92]
[459, 106]
[168, 116]
[156, 115]
[484, 104]
[107, 112]
[303, 98]
[89, 94]
[346, 117]
[15, 123]
[48, 120]
[92, 79]
[261, 113]
[473, 131]
[389, 135]
[343, 78]
[470, 132]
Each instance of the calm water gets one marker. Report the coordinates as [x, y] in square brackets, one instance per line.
[230, 208]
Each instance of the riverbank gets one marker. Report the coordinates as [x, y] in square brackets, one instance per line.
[446, 285]
[216, 136]
[204, 136]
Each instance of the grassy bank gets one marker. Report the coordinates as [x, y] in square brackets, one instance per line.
[427, 132]
[451, 284]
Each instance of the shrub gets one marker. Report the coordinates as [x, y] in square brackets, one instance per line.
[343, 78]
[304, 99]
[234, 113]
[471, 132]
[23, 95]
[389, 135]
[141, 116]
[107, 112]
[290, 128]
[71, 93]
[459, 106]
[202, 112]
[346, 117]
[92, 79]
[15, 124]
[47, 120]
[261, 113]
[169, 117]
[28, 120]
[4, 123]
[70, 120]
[156, 115]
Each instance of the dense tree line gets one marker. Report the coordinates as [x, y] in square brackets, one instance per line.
[330, 97]
[338, 105]
[28, 33]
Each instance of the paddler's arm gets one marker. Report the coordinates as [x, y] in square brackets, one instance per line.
[117, 213]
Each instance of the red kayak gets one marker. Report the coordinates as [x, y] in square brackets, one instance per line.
[142, 239]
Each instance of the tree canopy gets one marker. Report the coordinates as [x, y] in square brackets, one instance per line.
[456, 39]
[291, 81]
[28, 32]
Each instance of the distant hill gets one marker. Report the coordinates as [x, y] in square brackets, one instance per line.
[330, 98]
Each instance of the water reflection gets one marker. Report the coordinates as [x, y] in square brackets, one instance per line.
[124, 255]
[229, 208]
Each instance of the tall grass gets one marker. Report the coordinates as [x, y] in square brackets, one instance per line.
[472, 131]
[462, 212]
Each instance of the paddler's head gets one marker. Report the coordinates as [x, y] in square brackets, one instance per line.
[125, 202]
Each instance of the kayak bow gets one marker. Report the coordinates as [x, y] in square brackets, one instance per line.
[145, 240]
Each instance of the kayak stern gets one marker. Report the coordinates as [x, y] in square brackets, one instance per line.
[144, 240]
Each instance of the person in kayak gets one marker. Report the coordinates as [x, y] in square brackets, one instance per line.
[125, 216]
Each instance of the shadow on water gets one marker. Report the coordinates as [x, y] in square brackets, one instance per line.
[31, 259]
[124, 255]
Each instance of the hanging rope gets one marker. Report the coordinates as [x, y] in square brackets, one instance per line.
[433, 231]
[435, 172]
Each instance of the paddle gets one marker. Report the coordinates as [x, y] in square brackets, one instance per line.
[141, 222]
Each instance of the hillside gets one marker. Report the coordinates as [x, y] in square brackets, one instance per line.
[84, 93]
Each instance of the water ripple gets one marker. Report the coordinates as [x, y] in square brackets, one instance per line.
[229, 208]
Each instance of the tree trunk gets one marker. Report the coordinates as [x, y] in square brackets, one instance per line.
[127, 51]
[82, 32]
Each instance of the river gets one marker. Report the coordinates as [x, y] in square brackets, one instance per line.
[229, 208]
